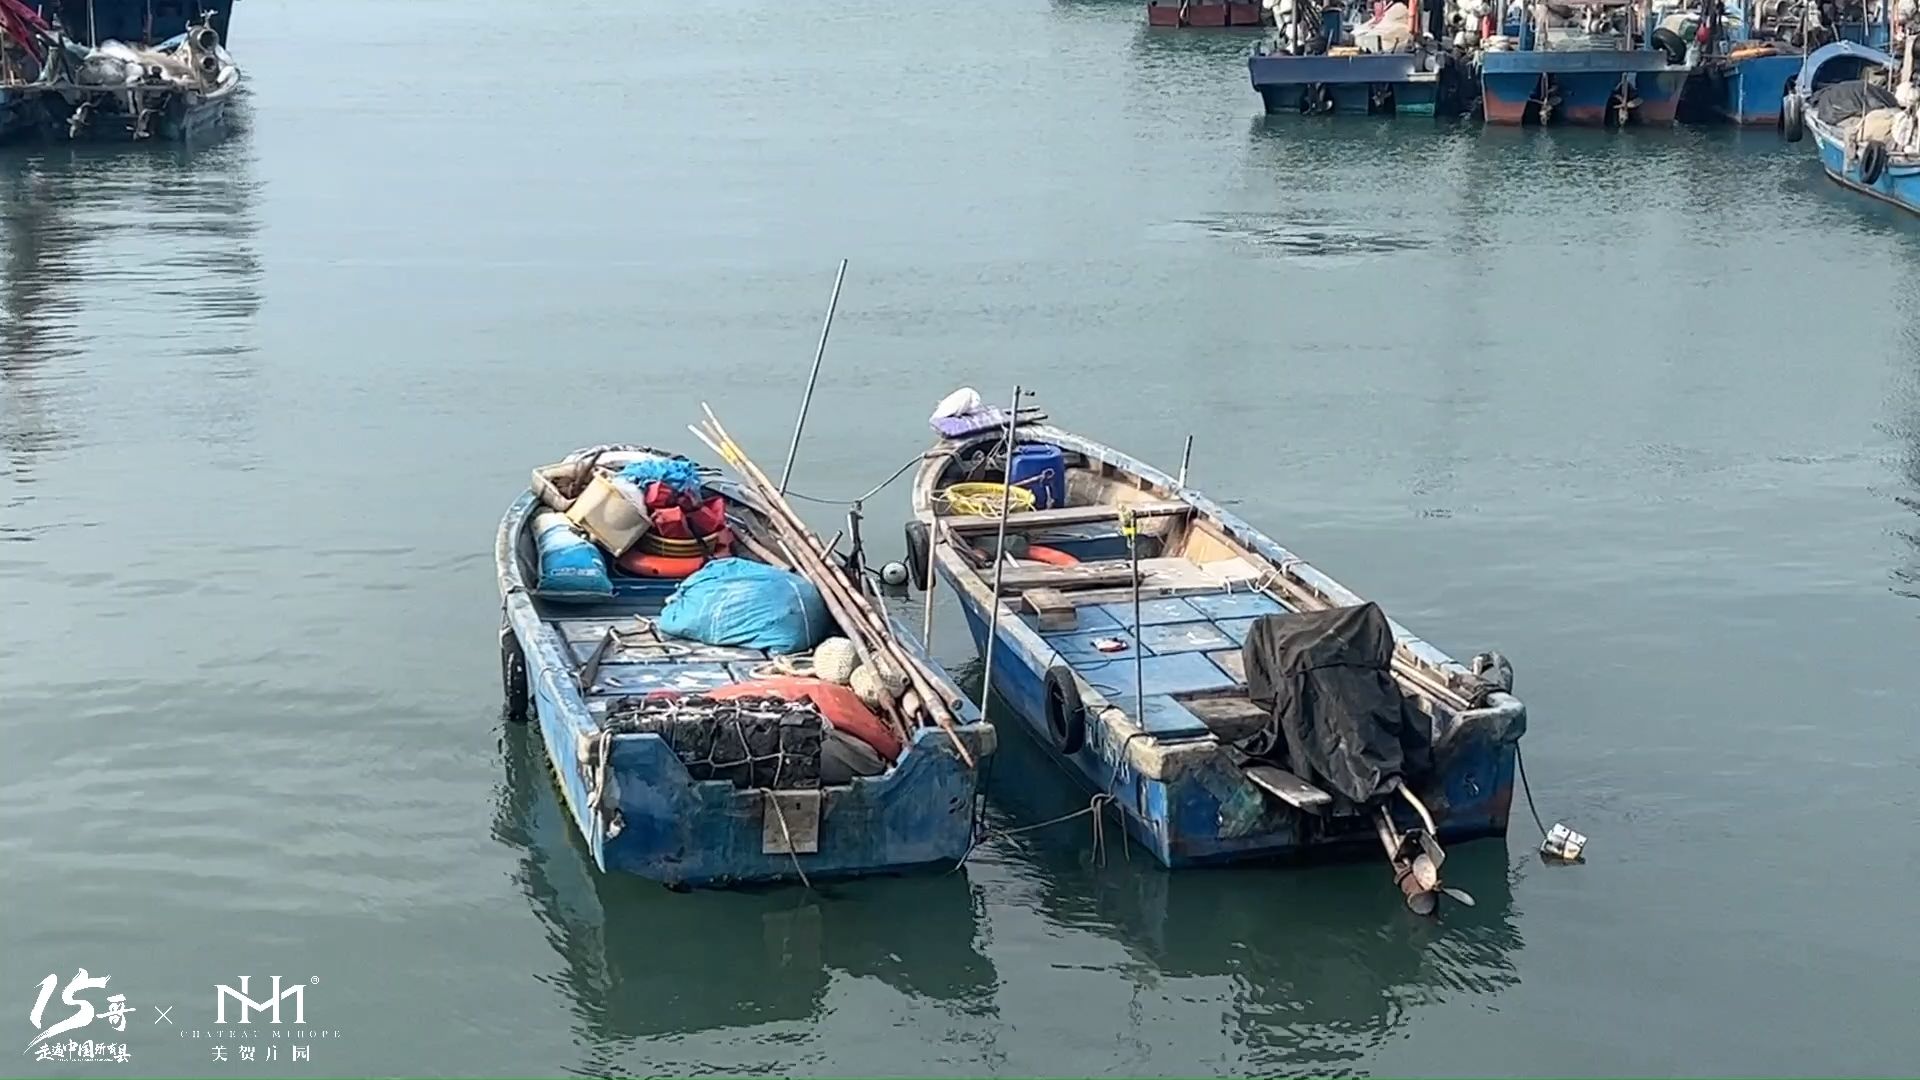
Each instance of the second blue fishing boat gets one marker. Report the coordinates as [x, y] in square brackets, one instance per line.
[1156, 645]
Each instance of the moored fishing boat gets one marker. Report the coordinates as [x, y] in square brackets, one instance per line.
[175, 90]
[1744, 56]
[696, 665]
[1582, 62]
[1341, 57]
[1175, 660]
[1863, 112]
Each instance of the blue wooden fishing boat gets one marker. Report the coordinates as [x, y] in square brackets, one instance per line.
[1580, 62]
[1860, 108]
[1119, 635]
[620, 703]
[1754, 51]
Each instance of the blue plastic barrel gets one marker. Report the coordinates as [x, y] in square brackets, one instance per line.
[1041, 469]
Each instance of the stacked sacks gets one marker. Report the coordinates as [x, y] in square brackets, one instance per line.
[749, 605]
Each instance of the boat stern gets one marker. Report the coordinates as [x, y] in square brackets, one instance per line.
[660, 823]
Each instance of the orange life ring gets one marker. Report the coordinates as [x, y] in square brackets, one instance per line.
[647, 565]
[1051, 556]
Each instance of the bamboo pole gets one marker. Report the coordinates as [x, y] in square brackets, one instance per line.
[852, 609]
[805, 563]
[805, 541]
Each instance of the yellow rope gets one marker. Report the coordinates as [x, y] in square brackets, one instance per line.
[984, 500]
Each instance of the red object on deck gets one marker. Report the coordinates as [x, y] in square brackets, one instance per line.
[1050, 556]
[670, 567]
[841, 706]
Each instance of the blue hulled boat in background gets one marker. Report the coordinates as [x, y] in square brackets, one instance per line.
[1863, 111]
[1745, 57]
[1580, 62]
[1157, 646]
[143, 22]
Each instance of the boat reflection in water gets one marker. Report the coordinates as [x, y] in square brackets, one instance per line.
[1321, 965]
[643, 962]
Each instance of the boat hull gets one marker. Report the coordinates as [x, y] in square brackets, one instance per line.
[1511, 85]
[181, 117]
[1374, 83]
[1749, 90]
[682, 832]
[1212, 816]
[1898, 183]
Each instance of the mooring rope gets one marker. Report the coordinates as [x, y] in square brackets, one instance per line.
[1520, 766]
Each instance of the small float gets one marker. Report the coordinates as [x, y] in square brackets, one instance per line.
[1863, 111]
[721, 699]
[1227, 700]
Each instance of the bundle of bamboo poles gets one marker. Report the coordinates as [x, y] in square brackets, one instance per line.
[869, 630]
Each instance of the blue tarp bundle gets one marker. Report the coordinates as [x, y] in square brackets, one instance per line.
[571, 567]
[747, 604]
[681, 475]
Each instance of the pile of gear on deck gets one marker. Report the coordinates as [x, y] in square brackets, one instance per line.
[35, 53]
[801, 720]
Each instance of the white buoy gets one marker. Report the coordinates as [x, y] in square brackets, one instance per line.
[894, 573]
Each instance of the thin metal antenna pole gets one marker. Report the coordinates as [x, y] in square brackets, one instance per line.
[1185, 457]
[1000, 554]
[806, 402]
[1131, 525]
[933, 545]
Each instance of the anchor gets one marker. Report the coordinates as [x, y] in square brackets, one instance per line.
[1416, 857]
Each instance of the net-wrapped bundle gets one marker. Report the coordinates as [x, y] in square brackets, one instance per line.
[751, 742]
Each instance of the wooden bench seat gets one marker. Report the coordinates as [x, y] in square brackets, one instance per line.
[1029, 520]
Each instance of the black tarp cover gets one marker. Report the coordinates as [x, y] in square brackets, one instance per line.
[1336, 717]
[1855, 97]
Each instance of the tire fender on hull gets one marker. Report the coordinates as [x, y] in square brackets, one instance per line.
[918, 546]
[1873, 161]
[513, 675]
[1066, 713]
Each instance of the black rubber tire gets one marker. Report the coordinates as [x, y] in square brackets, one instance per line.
[1793, 121]
[917, 546]
[1672, 44]
[1066, 713]
[513, 677]
[1873, 161]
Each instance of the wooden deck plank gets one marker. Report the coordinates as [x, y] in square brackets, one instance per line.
[1288, 788]
[1090, 575]
[1065, 515]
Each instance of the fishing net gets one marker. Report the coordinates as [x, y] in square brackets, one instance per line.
[751, 742]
